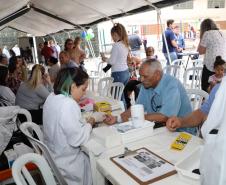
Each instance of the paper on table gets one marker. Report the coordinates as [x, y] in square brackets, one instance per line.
[128, 126]
[144, 165]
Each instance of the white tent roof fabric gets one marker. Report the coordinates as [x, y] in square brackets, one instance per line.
[43, 17]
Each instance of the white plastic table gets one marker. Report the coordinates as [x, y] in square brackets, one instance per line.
[159, 143]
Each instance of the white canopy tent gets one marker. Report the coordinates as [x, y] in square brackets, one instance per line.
[42, 17]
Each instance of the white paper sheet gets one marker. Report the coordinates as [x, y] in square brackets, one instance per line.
[144, 165]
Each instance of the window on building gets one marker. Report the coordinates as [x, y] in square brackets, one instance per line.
[216, 3]
[185, 5]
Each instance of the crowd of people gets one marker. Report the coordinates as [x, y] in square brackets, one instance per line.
[52, 95]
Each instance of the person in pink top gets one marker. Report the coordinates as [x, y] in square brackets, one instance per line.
[219, 66]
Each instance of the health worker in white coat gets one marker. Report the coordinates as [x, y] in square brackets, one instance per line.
[65, 130]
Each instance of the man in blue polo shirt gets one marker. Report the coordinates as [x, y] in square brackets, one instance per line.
[135, 44]
[171, 42]
[197, 117]
[162, 96]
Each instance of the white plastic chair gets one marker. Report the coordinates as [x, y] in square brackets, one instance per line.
[192, 78]
[196, 97]
[100, 73]
[173, 70]
[29, 128]
[197, 62]
[179, 62]
[96, 75]
[22, 176]
[116, 90]
[104, 85]
[96, 72]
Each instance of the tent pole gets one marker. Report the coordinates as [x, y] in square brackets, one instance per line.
[54, 39]
[68, 33]
[163, 32]
[35, 51]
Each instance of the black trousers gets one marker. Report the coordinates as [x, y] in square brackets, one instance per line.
[205, 77]
[130, 87]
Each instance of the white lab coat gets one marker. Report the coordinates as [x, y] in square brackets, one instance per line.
[64, 133]
[213, 159]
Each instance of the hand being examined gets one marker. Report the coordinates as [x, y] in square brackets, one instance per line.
[126, 115]
[110, 120]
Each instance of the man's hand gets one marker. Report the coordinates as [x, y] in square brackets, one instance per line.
[126, 115]
[110, 120]
[173, 123]
[179, 49]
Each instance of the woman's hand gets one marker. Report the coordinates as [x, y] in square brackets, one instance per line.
[110, 120]
[104, 59]
[46, 79]
[91, 120]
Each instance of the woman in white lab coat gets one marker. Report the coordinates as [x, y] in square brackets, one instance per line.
[65, 130]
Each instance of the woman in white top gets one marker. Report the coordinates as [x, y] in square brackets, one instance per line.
[7, 96]
[119, 54]
[64, 129]
[212, 44]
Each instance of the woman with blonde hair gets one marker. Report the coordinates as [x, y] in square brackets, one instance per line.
[119, 54]
[79, 54]
[32, 94]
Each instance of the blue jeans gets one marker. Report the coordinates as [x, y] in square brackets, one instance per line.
[121, 76]
[173, 56]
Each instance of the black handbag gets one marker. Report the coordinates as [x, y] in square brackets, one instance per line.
[17, 137]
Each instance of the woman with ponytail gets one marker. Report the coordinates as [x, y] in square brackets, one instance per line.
[64, 128]
[119, 54]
